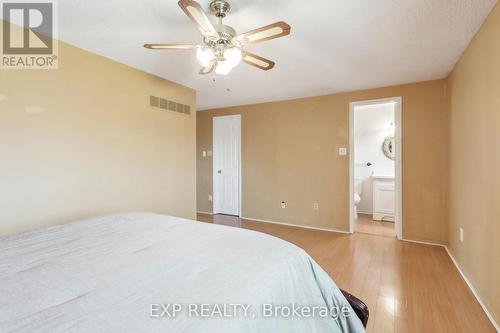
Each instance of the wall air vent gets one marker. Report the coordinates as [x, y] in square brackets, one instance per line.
[154, 101]
[163, 104]
[167, 105]
[180, 108]
[171, 106]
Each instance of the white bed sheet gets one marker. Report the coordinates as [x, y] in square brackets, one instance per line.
[110, 274]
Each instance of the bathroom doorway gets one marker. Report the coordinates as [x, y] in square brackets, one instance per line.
[375, 167]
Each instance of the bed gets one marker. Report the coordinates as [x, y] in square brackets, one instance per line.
[141, 272]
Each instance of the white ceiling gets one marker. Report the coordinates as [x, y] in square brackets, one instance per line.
[334, 46]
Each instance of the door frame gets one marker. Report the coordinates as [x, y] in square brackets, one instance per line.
[398, 124]
[214, 176]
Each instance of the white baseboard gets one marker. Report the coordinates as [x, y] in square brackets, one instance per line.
[294, 225]
[471, 287]
[422, 242]
[208, 213]
[469, 284]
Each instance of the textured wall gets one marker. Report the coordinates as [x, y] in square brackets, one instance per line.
[475, 162]
[290, 152]
[97, 148]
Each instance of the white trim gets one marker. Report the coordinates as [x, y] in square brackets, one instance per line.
[471, 287]
[240, 213]
[398, 123]
[422, 242]
[295, 225]
[398, 166]
[352, 213]
[207, 213]
[240, 185]
[229, 116]
[469, 284]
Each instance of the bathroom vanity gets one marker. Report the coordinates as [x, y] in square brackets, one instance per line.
[384, 198]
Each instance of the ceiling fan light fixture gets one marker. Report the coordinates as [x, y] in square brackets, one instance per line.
[222, 50]
[205, 55]
[223, 67]
[233, 56]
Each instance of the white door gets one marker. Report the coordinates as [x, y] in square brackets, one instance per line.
[226, 158]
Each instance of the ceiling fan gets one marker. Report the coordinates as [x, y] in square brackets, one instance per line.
[223, 46]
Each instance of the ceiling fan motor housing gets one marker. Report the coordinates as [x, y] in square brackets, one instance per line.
[220, 8]
[226, 34]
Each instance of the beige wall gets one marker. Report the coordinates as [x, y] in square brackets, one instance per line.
[475, 162]
[97, 148]
[289, 152]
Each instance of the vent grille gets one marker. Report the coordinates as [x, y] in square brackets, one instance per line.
[154, 101]
[180, 108]
[171, 106]
[165, 104]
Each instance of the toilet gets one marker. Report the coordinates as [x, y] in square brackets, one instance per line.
[358, 190]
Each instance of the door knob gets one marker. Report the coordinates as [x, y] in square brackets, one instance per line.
[219, 171]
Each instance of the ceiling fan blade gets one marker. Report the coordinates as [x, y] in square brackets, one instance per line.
[275, 30]
[257, 61]
[170, 46]
[194, 11]
[209, 68]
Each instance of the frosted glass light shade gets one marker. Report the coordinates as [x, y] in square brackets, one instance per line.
[233, 56]
[204, 56]
[223, 67]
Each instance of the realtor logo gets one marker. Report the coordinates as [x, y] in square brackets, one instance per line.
[29, 38]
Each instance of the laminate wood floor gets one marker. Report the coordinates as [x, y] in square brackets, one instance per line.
[366, 225]
[408, 287]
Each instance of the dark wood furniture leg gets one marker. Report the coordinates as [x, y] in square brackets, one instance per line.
[358, 306]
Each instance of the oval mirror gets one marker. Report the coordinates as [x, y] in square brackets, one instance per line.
[388, 147]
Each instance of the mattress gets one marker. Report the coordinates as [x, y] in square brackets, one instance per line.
[141, 272]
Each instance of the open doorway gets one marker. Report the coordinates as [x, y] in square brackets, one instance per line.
[375, 167]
